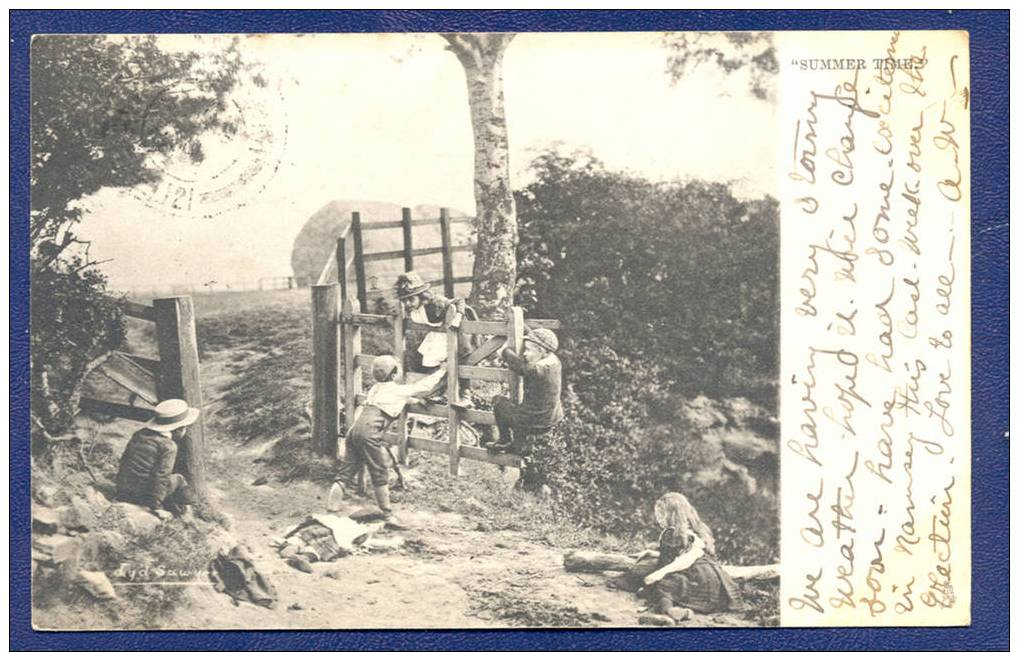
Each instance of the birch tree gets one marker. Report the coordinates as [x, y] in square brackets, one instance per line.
[495, 258]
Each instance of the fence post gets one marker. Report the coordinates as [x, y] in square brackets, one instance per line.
[351, 336]
[179, 377]
[447, 255]
[325, 369]
[515, 340]
[453, 396]
[362, 283]
[408, 242]
[401, 356]
[341, 263]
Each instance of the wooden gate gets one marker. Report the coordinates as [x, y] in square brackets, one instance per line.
[339, 361]
[175, 374]
[349, 260]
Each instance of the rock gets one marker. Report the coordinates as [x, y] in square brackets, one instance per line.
[473, 505]
[45, 520]
[96, 500]
[259, 481]
[656, 620]
[78, 515]
[300, 564]
[295, 607]
[137, 519]
[745, 445]
[483, 526]
[56, 549]
[96, 584]
[703, 413]
[45, 495]
[334, 574]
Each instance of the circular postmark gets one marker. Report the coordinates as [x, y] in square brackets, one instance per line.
[224, 168]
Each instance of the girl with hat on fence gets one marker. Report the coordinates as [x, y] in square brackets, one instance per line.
[424, 307]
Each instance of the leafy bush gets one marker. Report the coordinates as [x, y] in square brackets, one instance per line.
[664, 291]
[73, 323]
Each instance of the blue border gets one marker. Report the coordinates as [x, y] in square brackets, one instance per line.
[989, 43]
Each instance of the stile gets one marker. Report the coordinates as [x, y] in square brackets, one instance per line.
[359, 276]
[453, 397]
[341, 265]
[325, 369]
[408, 241]
[401, 355]
[447, 254]
[351, 336]
[179, 377]
[515, 340]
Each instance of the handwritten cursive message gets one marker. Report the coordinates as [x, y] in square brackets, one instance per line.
[875, 330]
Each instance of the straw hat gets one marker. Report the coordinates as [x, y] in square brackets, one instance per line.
[410, 284]
[172, 414]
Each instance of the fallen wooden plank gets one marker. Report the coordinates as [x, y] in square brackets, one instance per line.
[590, 561]
[132, 377]
[131, 412]
[149, 364]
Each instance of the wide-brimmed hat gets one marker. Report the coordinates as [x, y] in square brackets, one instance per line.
[172, 414]
[544, 338]
[410, 284]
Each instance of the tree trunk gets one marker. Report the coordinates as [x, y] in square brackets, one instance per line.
[495, 255]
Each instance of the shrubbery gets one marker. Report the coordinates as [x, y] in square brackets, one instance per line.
[665, 292]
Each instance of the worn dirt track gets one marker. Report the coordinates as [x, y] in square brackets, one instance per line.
[449, 575]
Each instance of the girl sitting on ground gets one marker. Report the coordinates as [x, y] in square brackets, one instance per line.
[687, 578]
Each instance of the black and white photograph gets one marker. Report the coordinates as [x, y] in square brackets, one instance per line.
[415, 331]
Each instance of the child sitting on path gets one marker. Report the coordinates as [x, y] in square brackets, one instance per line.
[687, 577]
[541, 408]
[384, 403]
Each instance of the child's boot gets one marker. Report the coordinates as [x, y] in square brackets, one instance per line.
[336, 495]
[382, 500]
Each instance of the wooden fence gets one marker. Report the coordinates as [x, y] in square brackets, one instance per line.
[175, 374]
[335, 366]
[349, 260]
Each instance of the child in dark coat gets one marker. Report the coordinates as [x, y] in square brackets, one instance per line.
[541, 407]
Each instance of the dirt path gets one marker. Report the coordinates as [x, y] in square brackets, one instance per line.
[450, 575]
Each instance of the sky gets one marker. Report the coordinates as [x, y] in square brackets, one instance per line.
[386, 118]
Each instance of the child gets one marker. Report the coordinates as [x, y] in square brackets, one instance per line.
[384, 403]
[541, 408]
[687, 577]
[423, 307]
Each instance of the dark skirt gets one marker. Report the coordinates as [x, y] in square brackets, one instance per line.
[704, 587]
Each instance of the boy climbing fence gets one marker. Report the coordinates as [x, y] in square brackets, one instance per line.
[347, 322]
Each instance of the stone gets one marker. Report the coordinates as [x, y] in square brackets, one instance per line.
[703, 413]
[96, 584]
[78, 515]
[45, 520]
[96, 500]
[137, 519]
[300, 564]
[45, 495]
[56, 548]
[656, 620]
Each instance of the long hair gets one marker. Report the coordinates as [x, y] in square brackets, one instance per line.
[674, 512]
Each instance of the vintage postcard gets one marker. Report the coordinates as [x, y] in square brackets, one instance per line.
[500, 330]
